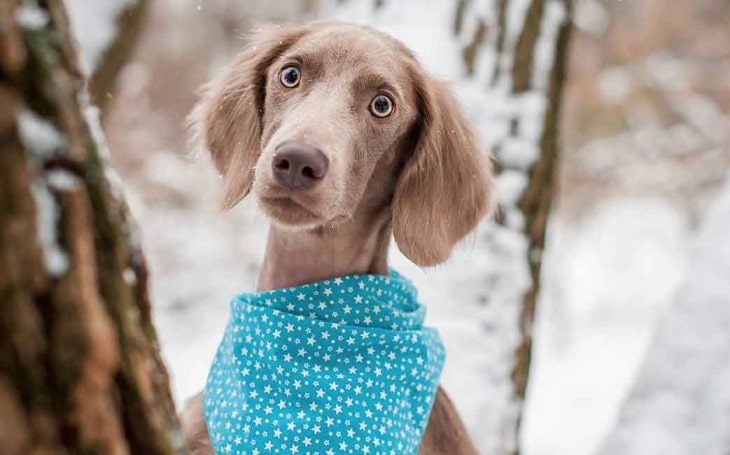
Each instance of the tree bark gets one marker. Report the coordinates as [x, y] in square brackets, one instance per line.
[537, 197]
[104, 59]
[517, 64]
[80, 368]
[104, 78]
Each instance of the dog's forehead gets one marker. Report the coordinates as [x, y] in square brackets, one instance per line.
[352, 46]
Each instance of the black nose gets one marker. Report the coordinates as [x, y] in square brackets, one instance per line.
[299, 166]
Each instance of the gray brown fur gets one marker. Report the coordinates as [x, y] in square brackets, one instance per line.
[418, 173]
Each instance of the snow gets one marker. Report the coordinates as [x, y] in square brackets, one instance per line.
[54, 258]
[43, 140]
[614, 83]
[62, 180]
[198, 264]
[680, 403]
[519, 153]
[94, 24]
[39, 135]
[608, 278]
[592, 17]
[704, 114]
[92, 116]
[129, 276]
[31, 17]
[554, 16]
[510, 185]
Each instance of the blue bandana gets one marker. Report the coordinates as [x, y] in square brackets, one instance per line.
[335, 367]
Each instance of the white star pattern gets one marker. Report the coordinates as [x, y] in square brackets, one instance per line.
[342, 366]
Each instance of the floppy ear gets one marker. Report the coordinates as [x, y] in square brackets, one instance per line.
[445, 187]
[227, 119]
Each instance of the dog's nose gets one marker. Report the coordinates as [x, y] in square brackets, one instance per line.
[299, 166]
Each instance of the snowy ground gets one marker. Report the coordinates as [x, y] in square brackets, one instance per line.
[609, 278]
[681, 401]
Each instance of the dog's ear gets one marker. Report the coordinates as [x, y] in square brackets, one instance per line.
[445, 187]
[227, 121]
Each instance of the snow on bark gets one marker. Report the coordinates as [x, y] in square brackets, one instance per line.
[54, 258]
[681, 401]
[43, 140]
[93, 120]
[38, 135]
[486, 287]
[30, 17]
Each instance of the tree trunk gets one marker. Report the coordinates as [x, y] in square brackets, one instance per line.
[529, 64]
[103, 81]
[513, 56]
[535, 200]
[80, 370]
[106, 58]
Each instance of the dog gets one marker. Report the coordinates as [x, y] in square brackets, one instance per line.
[344, 140]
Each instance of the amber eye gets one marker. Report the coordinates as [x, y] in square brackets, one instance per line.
[290, 76]
[381, 106]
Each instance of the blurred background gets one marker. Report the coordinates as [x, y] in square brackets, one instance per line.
[645, 135]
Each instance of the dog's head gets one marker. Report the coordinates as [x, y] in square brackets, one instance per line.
[329, 122]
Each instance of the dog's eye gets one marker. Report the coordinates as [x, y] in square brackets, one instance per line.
[381, 106]
[290, 76]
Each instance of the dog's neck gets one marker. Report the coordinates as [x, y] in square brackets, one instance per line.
[297, 257]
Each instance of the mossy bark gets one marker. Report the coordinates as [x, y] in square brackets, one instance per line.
[80, 368]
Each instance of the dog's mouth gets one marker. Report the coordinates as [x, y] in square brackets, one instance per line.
[289, 210]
